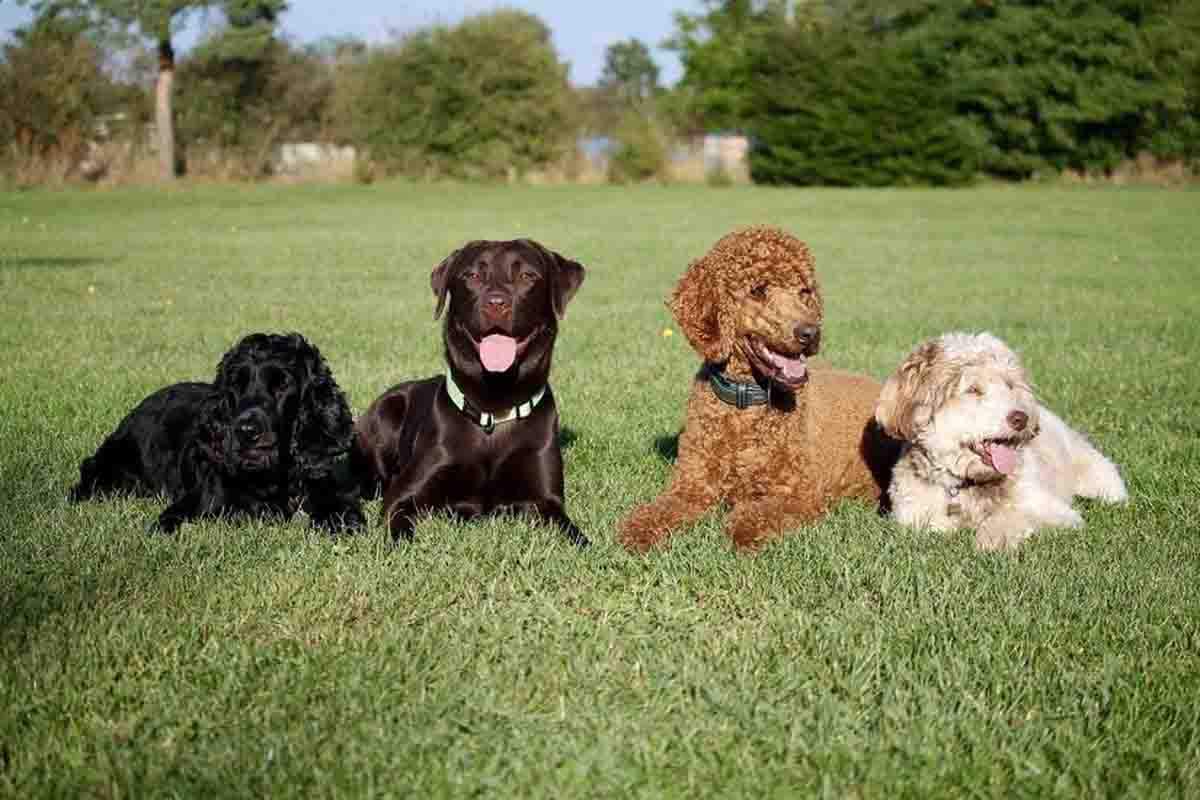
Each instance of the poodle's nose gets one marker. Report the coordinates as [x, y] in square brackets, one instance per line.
[807, 334]
[1017, 420]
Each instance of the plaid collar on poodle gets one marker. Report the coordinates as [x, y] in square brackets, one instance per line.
[482, 418]
[741, 395]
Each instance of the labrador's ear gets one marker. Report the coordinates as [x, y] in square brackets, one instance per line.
[913, 393]
[439, 279]
[564, 275]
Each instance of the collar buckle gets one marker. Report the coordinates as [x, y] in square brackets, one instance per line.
[735, 393]
[488, 421]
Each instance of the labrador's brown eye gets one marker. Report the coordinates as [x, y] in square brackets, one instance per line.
[759, 292]
[471, 274]
[975, 389]
[805, 291]
[529, 276]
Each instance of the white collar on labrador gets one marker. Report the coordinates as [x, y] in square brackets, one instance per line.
[484, 419]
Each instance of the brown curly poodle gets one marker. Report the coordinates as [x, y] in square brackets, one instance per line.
[765, 434]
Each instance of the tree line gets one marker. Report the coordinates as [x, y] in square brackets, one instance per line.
[836, 92]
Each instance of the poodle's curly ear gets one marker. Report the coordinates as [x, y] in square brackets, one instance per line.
[564, 275]
[697, 306]
[439, 279]
[911, 394]
[323, 426]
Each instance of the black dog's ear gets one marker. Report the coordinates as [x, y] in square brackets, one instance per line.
[565, 275]
[439, 279]
[323, 426]
[215, 417]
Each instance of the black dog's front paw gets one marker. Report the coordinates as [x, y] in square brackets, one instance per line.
[574, 535]
[166, 524]
[350, 520]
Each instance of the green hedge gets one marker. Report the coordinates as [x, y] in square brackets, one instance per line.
[874, 93]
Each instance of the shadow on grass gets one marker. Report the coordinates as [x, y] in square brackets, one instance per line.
[567, 437]
[667, 447]
[51, 262]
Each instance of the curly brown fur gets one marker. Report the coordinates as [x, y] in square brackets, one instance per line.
[752, 307]
[266, 437]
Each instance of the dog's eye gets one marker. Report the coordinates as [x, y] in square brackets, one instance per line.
[759, 292]
[529, 276]
[805, 291]
[471, 274]
[975, 389]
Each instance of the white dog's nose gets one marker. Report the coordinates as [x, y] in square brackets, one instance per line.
[1017, 420]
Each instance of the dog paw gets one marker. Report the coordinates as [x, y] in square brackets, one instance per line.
[638, 535]
[990, 541]
[749, 528]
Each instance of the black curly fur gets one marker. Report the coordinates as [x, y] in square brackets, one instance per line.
[268, 436]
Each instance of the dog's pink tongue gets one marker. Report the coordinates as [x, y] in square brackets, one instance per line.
[791, 367]
[1004, 458]
[497, 352]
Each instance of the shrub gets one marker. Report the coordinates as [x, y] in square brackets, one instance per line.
[485, 99]
[239, 100]
[52, 91]
[846, 112]
[641, 152]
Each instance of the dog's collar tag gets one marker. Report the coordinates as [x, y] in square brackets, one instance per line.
[484, 419]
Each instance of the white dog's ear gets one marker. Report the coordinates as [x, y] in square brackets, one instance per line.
[909, 397]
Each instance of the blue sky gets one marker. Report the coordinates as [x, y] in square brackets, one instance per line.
[582, 30]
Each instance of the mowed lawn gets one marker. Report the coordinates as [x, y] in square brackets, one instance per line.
[850, 658]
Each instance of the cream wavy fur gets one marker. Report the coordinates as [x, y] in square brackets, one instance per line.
[980, 451]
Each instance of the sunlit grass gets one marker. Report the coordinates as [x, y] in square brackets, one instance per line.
[851, 658]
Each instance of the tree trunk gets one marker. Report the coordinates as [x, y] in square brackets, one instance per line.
[164, 120]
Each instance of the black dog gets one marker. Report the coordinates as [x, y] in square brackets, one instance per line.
[268, 436]
[483, 437]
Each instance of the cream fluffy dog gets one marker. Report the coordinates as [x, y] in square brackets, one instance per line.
[979, 450]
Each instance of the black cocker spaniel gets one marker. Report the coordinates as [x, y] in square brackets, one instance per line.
[267, 437]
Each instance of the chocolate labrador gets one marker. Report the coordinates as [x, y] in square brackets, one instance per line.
[484, 436]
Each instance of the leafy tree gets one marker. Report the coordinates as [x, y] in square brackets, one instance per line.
[52, 89]
[900, 91]
[717, 48]
[157, 20]
[836, 109]
[1062, 84]
[478, 100]
[243, 90]
[630, 72]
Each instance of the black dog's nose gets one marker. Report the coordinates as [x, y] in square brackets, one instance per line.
[807, 334]
[247, 431]
[1017, 420]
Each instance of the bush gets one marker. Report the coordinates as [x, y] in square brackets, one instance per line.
[845, 112]
[641, 152]
[866, 92]
[52, 91]
[486, 99]
[238, 100]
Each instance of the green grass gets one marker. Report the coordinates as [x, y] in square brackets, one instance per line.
[848, 659]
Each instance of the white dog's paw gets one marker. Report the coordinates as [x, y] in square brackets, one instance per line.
[991, 537]
[1103, 482]
[1064, 517]
[1112, 491]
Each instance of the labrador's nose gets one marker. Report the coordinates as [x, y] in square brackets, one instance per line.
[497, 305]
